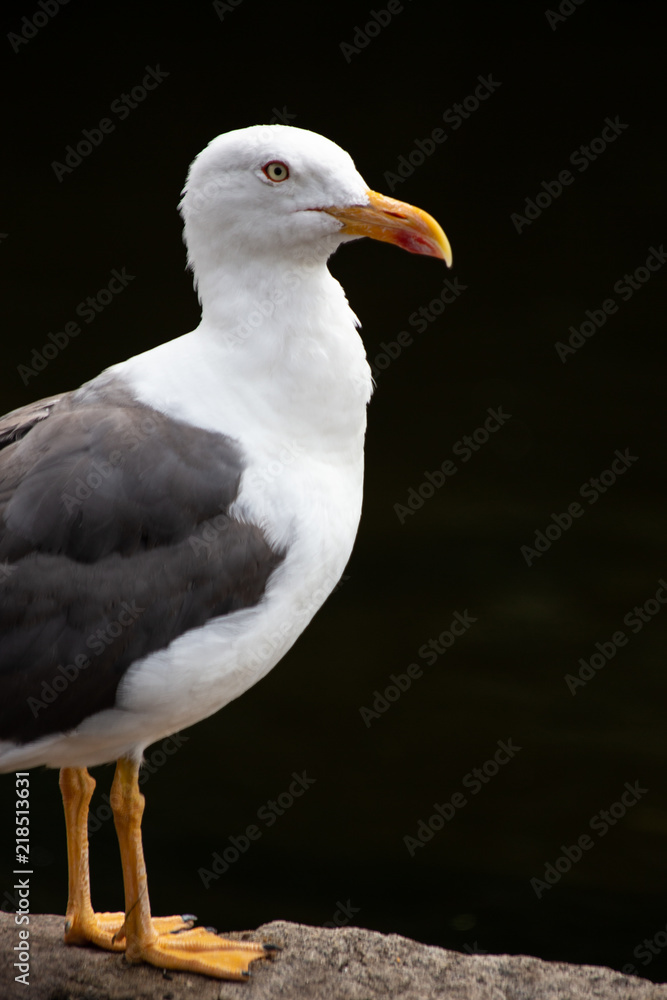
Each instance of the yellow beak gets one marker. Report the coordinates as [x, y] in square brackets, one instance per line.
[395, 222]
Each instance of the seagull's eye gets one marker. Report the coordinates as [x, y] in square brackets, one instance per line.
[276, 170]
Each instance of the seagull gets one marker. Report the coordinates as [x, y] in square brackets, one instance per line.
[168, 529]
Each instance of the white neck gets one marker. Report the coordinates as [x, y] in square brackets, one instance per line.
[292, 362]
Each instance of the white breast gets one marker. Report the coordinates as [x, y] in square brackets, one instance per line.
[295, 401]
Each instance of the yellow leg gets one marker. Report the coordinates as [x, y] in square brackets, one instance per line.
[196, 950]
[83, 925]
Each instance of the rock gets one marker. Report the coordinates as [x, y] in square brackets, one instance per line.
[345, 964]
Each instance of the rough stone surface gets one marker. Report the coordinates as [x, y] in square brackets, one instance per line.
[346, 964]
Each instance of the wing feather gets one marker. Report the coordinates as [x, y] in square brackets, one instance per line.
[115, 538]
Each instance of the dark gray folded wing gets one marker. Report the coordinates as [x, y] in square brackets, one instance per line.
[115, 538]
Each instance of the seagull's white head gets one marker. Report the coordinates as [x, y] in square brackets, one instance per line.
[273, 192]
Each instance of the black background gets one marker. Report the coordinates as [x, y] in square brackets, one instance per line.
[469, 887]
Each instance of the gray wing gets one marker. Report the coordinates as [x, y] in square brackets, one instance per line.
[115, 538]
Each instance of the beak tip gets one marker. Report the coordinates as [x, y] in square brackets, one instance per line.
[444, 248]
[384, 218]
